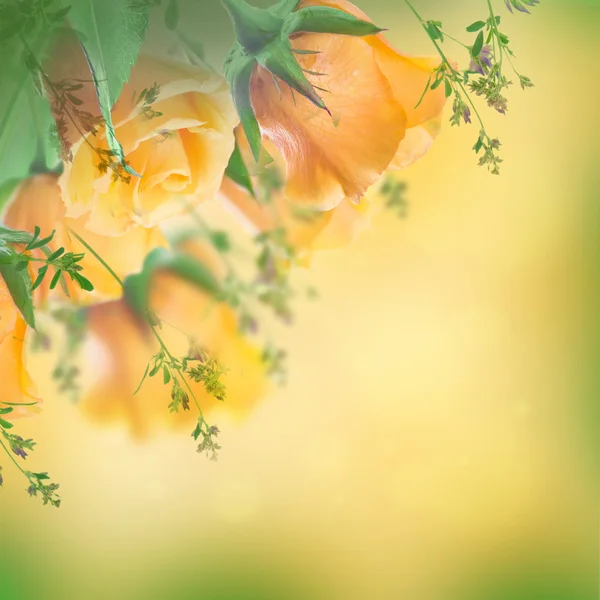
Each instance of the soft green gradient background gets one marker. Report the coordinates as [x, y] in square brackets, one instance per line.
[434, 440]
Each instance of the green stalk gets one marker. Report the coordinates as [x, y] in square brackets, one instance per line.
[152, 327]
[457, 79]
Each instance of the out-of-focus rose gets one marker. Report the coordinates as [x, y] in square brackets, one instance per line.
[17, 386]
[124, 346]
[179, 141]
[37, 201]
[372, 93]
[306, 229]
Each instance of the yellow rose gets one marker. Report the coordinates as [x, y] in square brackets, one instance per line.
[179, 142]
[17, 386]
[124, 345]
[37, 201]
[373, 90]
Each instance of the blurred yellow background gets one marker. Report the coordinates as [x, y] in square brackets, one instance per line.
[430, 443]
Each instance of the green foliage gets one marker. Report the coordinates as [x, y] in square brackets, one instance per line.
[111, 33]
[484, 77]
[15, 445]
[137, 287]
[18, 282]
[262, 38]
[237, 171]
[15, 272]
[25, 118]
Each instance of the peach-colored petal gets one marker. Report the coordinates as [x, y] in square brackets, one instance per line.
[180, 145]
[17, 386]
[331, 158]
[38, 201]
[126, 347]
[408, 76]
[416, 143]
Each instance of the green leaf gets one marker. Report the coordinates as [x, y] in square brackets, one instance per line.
[18, 135]
[166, 375]
[139, 387]
[55, 279]
[477, 46]
[433, 31]
[476, 26]
[56, 254]
[448, 90]
[325, 19]
[84, 283]
[19, 287]
[5, 424]
[111, 33]
[33, 245]
[437, 83]
[237, 171]
[13, 236]
[137, 287]
[40, 277]
[172, 15]
[6, 411]
[239, 71]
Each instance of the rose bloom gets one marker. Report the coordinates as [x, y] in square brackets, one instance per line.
[373, 90]
[180, 142]
[306, 229]
[121, 346]
[17, 386]
[38, 201]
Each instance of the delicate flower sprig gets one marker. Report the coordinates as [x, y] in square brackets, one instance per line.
[207, 433]
[484, 77]
[174, 370]
[13, 444]
[62, 262]
[147, 97]
[520, 4]
[65, 106]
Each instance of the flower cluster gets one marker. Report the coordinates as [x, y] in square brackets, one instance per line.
[118, 228]
[485, 76]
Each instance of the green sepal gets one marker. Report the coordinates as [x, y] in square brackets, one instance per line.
[283, 8]
[237, 171]
[239, 71]
[137, 287]
[324, 19]
[18, 283]
[279, 60]
[254, 27]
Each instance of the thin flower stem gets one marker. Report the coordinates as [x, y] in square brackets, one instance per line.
[152, 327]
[175, 365]
[454, 72]
[496, 35]
[14, 460]
[454, 39]
[96, 256]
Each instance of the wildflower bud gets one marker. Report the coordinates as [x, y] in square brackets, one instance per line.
[263, 38]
